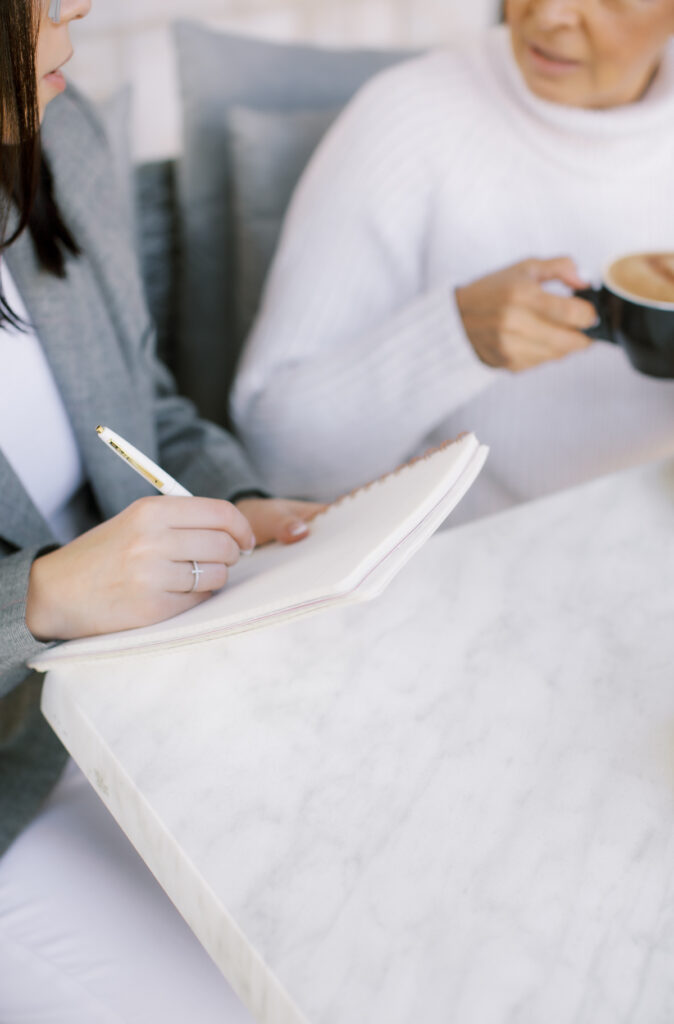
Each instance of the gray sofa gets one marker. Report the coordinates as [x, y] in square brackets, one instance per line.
[207, 225]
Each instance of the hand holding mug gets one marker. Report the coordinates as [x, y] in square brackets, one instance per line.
[512, 322]
[635, 309]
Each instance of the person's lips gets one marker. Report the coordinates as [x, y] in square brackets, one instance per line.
[56, 80]
[549, 62]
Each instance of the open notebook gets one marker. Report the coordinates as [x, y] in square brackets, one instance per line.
[355, 549]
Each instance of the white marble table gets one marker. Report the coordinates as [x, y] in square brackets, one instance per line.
[454, 805]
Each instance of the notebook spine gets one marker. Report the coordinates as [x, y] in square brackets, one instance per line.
[424, 457]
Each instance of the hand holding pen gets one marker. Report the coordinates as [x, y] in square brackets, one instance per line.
[157, 558]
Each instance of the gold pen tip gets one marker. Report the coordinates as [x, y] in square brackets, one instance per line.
[99, 430]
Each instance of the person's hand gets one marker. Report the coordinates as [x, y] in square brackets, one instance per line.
[512, 322]
[136, 569]
[278, 518]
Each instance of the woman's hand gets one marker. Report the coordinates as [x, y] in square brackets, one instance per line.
[278, 519]
[136, 569]
[513, 323]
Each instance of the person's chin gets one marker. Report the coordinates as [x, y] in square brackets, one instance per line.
[563, 91]
[552, 92]
[51, 86]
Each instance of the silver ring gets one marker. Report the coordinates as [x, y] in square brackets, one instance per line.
[196, 572]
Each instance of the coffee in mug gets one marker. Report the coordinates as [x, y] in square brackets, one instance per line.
[648, 277]
[635, 309]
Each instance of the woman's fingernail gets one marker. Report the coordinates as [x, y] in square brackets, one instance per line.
[250, 550]
[297, 529]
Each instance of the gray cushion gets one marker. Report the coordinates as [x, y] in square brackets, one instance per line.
[269, 151]
[156, 229]
[217, 72]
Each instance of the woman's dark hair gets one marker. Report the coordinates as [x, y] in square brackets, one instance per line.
[25, 179]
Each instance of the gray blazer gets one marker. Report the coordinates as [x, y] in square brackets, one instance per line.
[98, 338]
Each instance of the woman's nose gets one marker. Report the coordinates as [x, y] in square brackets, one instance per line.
[68, 10]
[552, 14]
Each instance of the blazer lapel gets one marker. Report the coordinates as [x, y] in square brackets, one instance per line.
[21, 524]
[85, 333]
[69, 318]
[105, 313]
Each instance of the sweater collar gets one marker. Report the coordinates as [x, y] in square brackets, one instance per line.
[580, 130]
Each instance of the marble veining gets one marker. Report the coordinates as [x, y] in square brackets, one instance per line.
[453, 805]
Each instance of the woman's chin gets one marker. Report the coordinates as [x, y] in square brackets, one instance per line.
[562, 89]
[551, 91]
[51, 86]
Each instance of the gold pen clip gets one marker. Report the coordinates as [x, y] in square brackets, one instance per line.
[154, 480]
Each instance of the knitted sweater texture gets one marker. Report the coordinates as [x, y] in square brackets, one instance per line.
[441, 171]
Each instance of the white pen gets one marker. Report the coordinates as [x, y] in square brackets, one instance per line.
[148, 469]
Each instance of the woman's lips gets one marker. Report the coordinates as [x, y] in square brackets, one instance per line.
[56, 79]
[550, 63]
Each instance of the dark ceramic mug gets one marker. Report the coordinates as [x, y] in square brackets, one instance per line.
[643, 327]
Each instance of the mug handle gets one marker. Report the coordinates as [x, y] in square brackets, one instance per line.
[601, 331]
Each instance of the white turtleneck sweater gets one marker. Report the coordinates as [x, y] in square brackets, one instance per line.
[441, 171]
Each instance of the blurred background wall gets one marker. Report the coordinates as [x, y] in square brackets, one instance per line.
[129, 41]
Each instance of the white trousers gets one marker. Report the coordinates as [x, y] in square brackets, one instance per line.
[87, 936]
